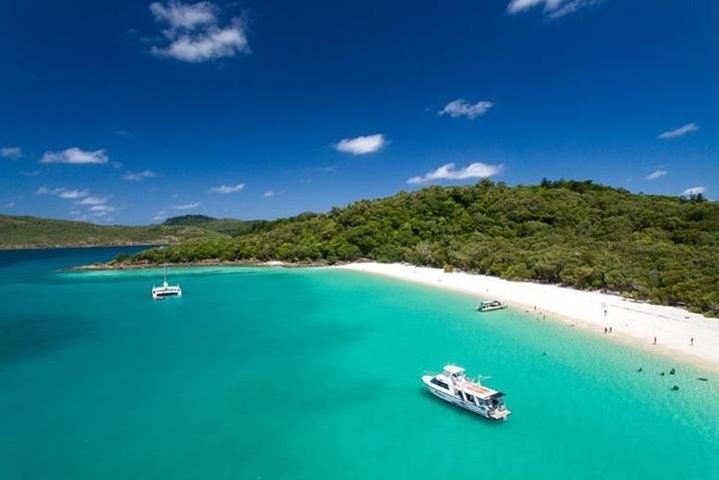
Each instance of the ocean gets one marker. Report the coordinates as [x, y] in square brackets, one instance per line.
[272, 373]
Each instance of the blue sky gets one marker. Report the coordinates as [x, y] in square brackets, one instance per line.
[132, 111]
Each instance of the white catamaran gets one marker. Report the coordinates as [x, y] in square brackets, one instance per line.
[166, 290]
[453, 386]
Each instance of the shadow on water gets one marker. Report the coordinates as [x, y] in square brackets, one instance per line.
[458, 411]
[26, 338]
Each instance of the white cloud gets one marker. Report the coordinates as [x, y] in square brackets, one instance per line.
[269, 193]
[102, 209]
[160, 216]
[187, 206]
[72, 194]
[225, 189]
[93, 201]
[215, 43]
[63, 193]
[693, 191]
[11, 152]
[47, 191]
[10, 205]
[135, 177]
[184, 15]
[552, 8]
[362, 145]
[76, 156]
[679, 132]
[656, 174]
[460, 108]
[194, 34]
[450, 172]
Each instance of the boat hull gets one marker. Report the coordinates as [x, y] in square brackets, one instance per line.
[490, 309]
[448, 397]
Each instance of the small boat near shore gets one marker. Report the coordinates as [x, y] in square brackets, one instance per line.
[453, 386]
[490, 306]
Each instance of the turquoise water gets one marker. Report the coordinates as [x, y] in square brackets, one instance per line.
[304, 374]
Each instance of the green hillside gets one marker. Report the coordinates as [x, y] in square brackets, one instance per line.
[227, 226]
[34, 232]
[659, 248]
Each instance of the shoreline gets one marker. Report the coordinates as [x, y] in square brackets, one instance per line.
[633, 323]
[14, 248]
[205, 263]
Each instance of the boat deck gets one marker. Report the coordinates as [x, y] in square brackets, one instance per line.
[478, 390]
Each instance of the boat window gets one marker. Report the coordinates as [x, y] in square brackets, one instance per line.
[470, 398]
[440, 384]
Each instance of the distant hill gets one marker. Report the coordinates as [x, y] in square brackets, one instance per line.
[227, 226]
[659, 248]
[189, 220]
[35, 232]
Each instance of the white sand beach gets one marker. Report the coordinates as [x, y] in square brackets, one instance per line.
[633, 322]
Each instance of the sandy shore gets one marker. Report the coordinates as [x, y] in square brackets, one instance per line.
[630, 321]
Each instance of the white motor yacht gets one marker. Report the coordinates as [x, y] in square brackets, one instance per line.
[490, 306]
[452, 385]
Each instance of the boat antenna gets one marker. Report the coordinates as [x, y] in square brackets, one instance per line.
[164, 266]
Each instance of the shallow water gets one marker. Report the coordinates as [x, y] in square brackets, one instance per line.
[314, 373]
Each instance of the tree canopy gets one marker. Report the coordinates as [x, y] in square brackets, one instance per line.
[575, 233]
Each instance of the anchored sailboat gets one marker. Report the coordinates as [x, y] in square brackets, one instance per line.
[166, 290]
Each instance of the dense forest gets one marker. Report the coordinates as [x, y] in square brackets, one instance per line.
[657, 248]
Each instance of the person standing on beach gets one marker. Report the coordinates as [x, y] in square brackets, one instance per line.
[691, 342]
[655, 340]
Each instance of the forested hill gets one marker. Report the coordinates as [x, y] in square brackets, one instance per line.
[35, 232]
[228, 226]
[659, 248]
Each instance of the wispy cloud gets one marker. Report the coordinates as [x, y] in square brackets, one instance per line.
[10, 205]
[193, 32]
[76, 156]
[137, 176]
[122, 133]
[12, 153]
[96, 205]
[269, 194]
[460, 108]
[187, 206]
[693, 191]
[679, 132]
[64, 193]
[102, 210]
[225, 189]
[362, 145]
[656, 174]
[30, 173]
[160, 216]
[450, 172]
[93, 200]
[552, 8]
